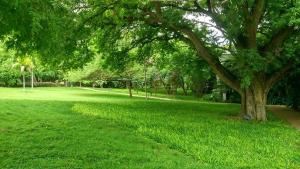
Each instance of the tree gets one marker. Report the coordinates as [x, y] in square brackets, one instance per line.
[11, 64]
[250, 44]
[9, 73]
[43, 27]
[129, 74]
[26, 63]
[92, 72]
[180, 67]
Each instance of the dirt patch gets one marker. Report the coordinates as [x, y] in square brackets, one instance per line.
[286, 114]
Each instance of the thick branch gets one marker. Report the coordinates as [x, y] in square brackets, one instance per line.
[279, 75]
[251, 21]
[208, 3]
[278, 39]
[203, 52]
[157, 5]
[258, 11]
[213, 61]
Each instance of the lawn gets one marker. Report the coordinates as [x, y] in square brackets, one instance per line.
[75, 128]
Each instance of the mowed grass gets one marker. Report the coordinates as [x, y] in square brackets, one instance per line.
[75, 128]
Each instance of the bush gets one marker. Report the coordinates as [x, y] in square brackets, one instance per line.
[47, 84]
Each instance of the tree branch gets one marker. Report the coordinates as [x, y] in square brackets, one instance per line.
[258, 11]
[251, 21]
[278, 39]
[96, 14]
[279, 75]
[202, 51]
[208, 3]
[213, 61]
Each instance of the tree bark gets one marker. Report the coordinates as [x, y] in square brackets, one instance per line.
[253, 102]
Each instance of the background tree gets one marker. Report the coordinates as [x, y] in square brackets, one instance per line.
[93, 72]
[9, 74]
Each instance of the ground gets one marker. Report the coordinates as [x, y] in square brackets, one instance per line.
[286, 114]
[75, 128]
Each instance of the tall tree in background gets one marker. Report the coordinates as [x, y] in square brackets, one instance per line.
[249, 44]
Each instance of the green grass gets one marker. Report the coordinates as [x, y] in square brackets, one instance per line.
[74, 128]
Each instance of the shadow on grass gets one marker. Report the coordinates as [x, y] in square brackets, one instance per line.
[50, 134]
[196, 129]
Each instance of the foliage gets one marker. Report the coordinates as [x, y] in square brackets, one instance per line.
[9, 74]
[286, 92]
[133, 25]
[43, 27]
[180, 67]
[93, 72]
[12, 68]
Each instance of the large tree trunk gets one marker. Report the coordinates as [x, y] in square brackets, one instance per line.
[253, 102]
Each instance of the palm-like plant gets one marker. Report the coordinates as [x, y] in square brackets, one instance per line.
[25, 64]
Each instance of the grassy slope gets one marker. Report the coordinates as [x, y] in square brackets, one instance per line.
[73, 128]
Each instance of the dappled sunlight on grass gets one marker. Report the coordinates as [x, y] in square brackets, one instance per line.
[47, 134]
[73, 128]
[201, 131]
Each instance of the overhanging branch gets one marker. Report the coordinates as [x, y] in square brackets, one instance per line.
[278, 39]
[279, 75]
[213, 61]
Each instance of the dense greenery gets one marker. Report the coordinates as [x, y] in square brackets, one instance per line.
[250, 44]
[13, 68]
[75, 128]
[167, 73]
[287, 91]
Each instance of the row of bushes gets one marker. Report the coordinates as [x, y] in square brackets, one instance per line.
[19, 83]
